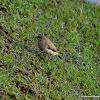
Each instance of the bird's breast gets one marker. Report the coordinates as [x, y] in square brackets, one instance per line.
[42, 45]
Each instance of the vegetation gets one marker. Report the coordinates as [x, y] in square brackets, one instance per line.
[73, 26]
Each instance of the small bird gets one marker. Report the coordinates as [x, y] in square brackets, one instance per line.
[47, 46]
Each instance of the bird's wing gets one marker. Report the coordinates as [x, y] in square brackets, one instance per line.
[51, 46]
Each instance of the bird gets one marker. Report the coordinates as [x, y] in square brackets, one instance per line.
[47, 46]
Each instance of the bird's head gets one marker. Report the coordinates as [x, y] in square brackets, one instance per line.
[39, 37]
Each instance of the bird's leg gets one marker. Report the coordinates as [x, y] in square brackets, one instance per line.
[51, 56]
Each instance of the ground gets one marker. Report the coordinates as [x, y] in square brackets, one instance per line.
[73, 26]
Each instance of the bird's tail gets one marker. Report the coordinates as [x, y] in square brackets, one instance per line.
[59, 56]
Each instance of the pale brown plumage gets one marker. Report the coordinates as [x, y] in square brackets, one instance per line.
[46, 45]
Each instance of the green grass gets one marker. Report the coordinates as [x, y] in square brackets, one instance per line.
[74, 28]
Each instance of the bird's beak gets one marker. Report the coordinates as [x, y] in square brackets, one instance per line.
[37, 36]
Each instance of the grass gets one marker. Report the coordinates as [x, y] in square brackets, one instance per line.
[74, 28]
